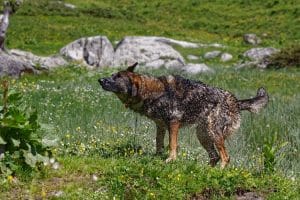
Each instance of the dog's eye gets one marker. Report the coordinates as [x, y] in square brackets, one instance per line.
[115, 76]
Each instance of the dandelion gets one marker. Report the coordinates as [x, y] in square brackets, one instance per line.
[82, 147]
[140, 152]
[10, 178]
[113, 129]
[78, 128]
[151, 194]
[43, 193]
[178, 177]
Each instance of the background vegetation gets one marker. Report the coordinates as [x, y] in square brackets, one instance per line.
[106, 151]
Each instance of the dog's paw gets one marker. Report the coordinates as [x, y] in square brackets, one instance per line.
[170, 159]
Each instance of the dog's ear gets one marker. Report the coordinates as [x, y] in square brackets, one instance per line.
[132, 67]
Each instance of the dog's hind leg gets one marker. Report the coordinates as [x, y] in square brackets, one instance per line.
[207, 142]
[160, 136]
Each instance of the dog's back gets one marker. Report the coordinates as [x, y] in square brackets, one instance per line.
[191, 102]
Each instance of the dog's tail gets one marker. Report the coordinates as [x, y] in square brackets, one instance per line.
[256, 103]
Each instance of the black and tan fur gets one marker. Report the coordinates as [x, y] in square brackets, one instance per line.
[173, 102]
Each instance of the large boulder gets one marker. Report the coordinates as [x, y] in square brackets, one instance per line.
[15, 62]
[255, 54]
[13, 66]
[148, 51]
[258, 57]
[39, 61]
[93, 51]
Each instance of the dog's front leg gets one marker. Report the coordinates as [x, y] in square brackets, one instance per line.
[173, 137]
[160, 136]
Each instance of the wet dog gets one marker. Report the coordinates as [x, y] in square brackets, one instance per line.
[173, 102]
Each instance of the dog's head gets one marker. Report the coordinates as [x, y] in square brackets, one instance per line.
[120, 82]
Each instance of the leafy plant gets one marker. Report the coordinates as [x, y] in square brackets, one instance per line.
[271, 152]
[21, 147]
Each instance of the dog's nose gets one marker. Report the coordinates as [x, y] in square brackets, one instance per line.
[101, 80]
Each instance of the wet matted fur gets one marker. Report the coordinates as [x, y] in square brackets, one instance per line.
[173, 101]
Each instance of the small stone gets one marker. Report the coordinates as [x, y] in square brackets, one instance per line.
[252, 39]
[225, 57]
[192, 57]
[212, 54]
[55, 166]
[94, 177]
[57, 193]
[71, 6]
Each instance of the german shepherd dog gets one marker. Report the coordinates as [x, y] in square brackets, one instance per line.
[173, 102]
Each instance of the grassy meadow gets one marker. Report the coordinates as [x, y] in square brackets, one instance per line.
[105, 151]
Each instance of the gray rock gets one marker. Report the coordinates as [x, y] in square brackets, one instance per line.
[192, 57]
[255, 54]
[170, 41]
[146, 50]
[39, 61]
[262, 64]
[174, 64]
[216, 45]
[15, 62]
[197, 68]
[258, 57]
[225, 57]
[212, 54]
[252, 39]
[68, 5]
[58, 193]
[13, 66]
[93, 51]
[155, 64]
[249, 196]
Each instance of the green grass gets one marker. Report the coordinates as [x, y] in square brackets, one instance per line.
[147, 177]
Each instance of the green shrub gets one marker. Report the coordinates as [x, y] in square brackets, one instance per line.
[21, 147]
[287, 57]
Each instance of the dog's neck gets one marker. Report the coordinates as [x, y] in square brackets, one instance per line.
[147, 86]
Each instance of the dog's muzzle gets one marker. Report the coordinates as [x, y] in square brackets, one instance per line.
[106, 84]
